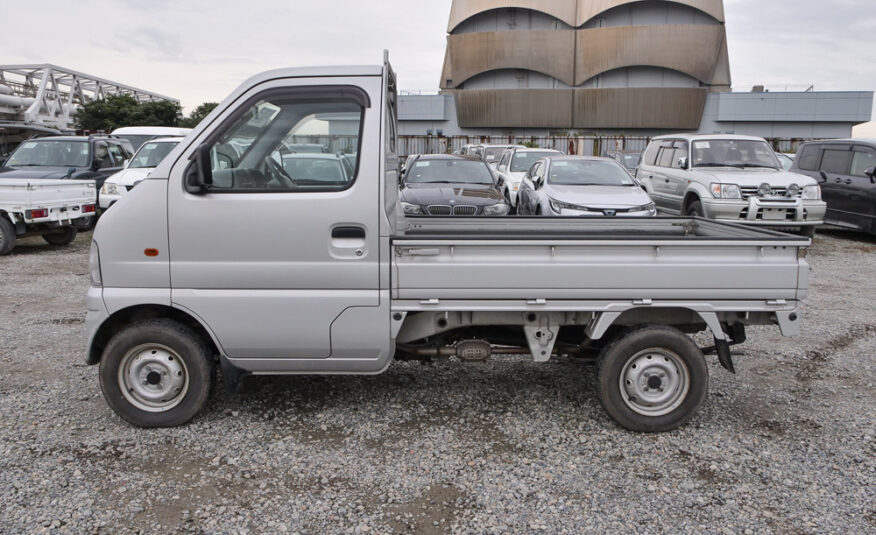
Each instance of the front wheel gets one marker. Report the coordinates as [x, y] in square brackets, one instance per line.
[652, 379]
[65, 237]
[695, 209]
[156, 373]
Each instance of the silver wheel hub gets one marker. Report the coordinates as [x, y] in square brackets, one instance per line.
[654, 382]
[153, 378]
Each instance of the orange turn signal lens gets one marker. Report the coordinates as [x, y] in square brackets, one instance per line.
[151, 252]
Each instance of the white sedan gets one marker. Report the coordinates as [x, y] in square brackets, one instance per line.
[146, 159]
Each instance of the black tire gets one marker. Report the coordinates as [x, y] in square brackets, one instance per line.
[165, 347]
[656, 349]
[7, 235]
[86, 223]
[695, 209]
[62, 238]
[808, 232]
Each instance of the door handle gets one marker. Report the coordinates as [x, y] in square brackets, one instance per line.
[848, 181]
[348, 233]
[838, 180]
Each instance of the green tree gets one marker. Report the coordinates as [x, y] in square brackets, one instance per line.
[198, 115]
[116, 111]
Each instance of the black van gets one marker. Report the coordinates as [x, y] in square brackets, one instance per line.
[845, 170]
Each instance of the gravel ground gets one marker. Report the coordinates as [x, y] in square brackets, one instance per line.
[502, 447]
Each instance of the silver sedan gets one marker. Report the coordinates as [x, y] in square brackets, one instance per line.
[582, 186]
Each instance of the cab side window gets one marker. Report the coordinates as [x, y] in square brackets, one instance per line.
[260, 150]
[836, 161]
[863, 159]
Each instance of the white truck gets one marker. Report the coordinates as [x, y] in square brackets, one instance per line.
[328, 276]
[46, 207]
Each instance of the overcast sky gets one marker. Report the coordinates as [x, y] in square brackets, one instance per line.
[199, 50]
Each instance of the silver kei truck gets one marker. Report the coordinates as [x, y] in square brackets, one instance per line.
[321, 275]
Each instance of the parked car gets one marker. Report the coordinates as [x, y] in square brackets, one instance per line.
[339, 282]
[146, 158]
[845, 169]
[729, 178]
[306, 169]
[787, 160]
[582, 186]
[627, 158]
[43, 207]
[306, 148]
[92, 158]
[514, 164]
[493, 153]
[138, 135]
[442, 184]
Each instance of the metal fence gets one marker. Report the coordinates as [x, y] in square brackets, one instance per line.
[582, 145]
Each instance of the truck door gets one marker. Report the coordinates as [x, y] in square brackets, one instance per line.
[836, 163]
[860, 189]
[283, 245]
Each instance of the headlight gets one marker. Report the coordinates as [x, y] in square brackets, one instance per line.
[94, 265]
[497, 209]
[559, 206]
[726, 191]
[109, 188]
[650, 207]
[812, 193]
[411, 209]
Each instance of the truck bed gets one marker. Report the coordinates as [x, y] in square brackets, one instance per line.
[19, 194]
[545, 260]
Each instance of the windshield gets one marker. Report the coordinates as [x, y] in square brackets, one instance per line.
[151, 154]
[733, 153]
[631, 160]
[522, 161]
[492, 154]
[46, 153]
[589, 173]
[449, 172]
[137, 140]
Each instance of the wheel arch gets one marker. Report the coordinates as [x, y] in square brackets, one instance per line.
[126, 316]
[685, 319]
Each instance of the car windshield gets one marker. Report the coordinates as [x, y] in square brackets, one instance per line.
[449, 172]
[492, 154]
[137, 141]
[47, 153]
[315, 169]
[733, 153]
[522, 161]
[588, 173]
[151, 154]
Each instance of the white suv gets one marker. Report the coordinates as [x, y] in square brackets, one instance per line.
[729, 178]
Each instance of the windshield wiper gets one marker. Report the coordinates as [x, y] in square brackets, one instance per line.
[756, 165]
[714, 164]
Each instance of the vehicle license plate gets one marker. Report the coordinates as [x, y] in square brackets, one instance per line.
[774, 214]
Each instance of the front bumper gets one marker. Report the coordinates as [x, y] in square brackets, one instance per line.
[565, 212]
[108, 199]
[768, 212]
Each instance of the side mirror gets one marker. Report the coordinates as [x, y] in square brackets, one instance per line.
[824, 176]
[682, 162]
[126, 163]
[199, 175]
[871, 172]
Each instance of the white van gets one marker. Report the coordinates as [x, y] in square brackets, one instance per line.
[138, 135]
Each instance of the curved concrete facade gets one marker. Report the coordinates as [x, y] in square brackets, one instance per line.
[603, 64]
[693, 49]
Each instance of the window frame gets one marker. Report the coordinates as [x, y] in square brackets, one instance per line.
[294, 95]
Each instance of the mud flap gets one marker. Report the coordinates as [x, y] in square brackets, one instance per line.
[723, 348]
[231, 375]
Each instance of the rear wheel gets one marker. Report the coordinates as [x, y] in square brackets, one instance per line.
[695, 209]
[156, 373]
[65, 237]
[652, 379]
[7, 235]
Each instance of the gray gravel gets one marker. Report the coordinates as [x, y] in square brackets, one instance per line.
[502, 447]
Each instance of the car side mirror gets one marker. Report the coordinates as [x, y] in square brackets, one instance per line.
[199, 175]
[824, 176]
[126, 163]
[682, 162]
[871, 172]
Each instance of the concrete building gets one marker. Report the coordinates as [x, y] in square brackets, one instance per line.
[638, 67]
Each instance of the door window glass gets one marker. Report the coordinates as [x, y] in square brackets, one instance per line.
[836, 161]
[101, 153]
[863, 160]
[650, 157]
[665, 156]
[680, 152]
[118, 155]
[258, 152]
